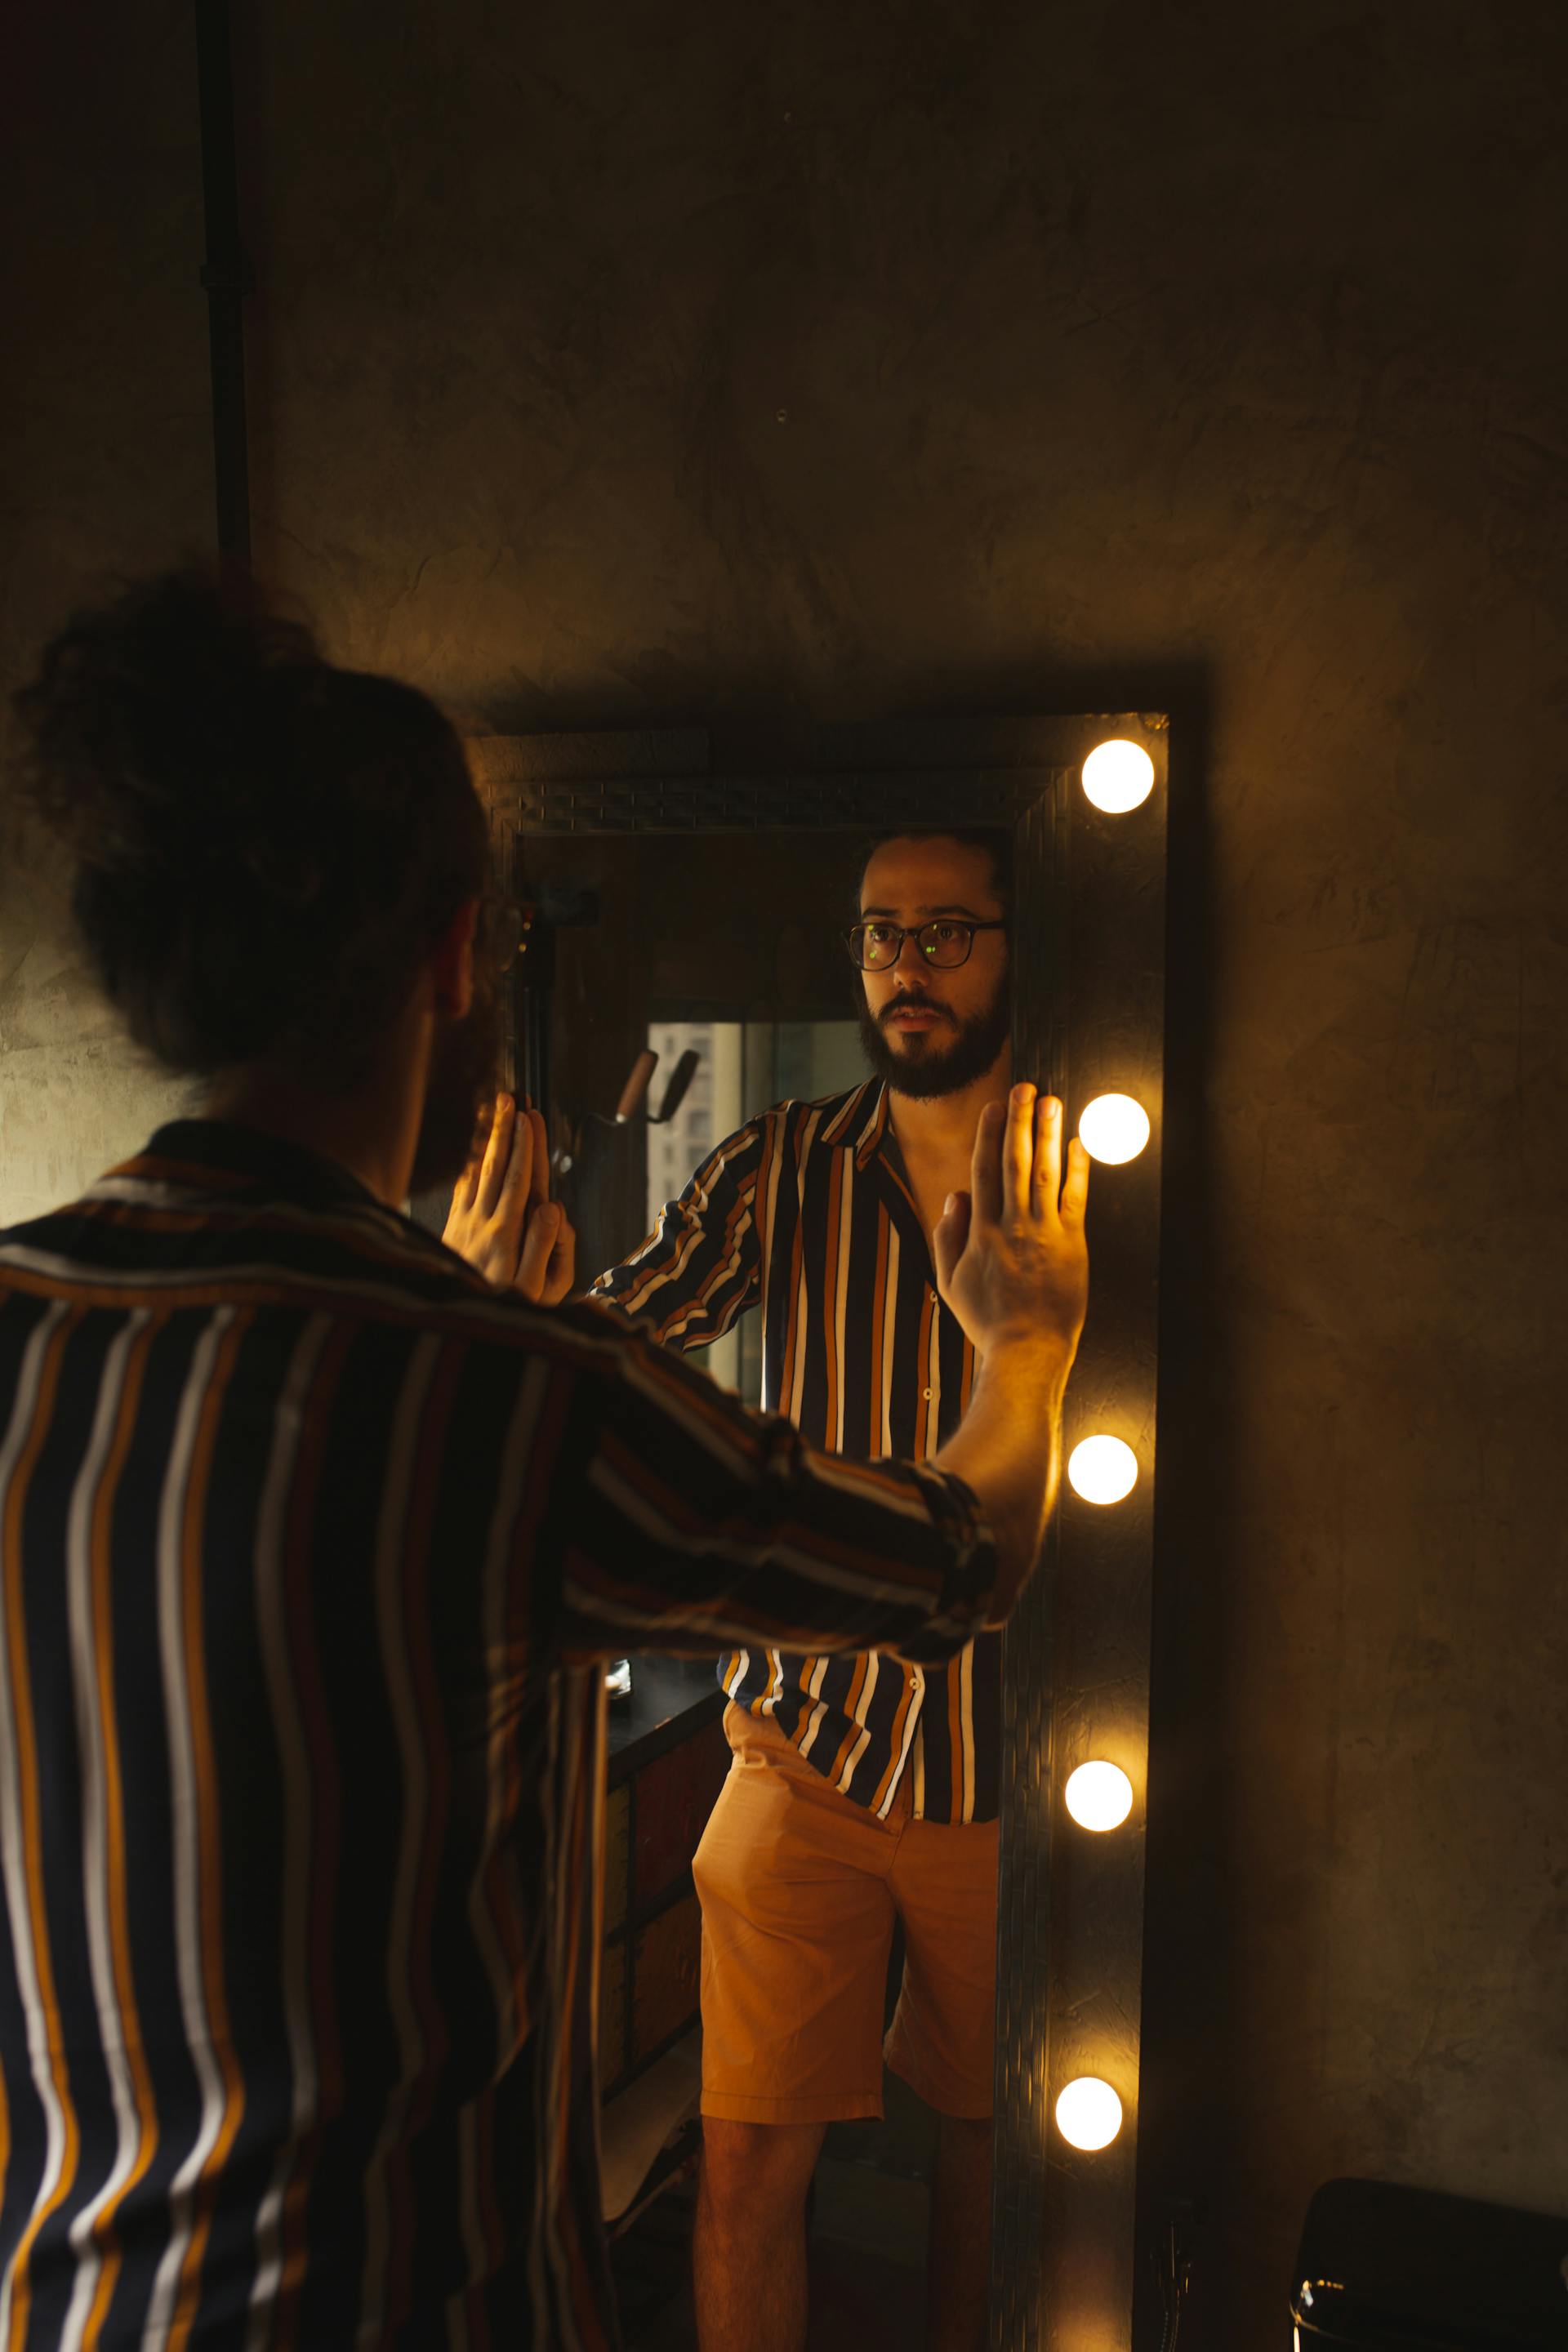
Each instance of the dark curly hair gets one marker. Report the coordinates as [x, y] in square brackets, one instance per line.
[265, 846]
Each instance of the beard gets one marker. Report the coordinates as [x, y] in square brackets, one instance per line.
[945, 1061]
[462, 1082]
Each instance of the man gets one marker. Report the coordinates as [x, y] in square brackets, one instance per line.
[312, 1540]
[866, 1786]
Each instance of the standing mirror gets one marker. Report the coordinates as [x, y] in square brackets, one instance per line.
[682, 909]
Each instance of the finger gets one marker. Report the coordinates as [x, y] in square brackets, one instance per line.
[1075, 1192]
[533, 1260]
[1018, 1152]
[948, 1239]
[516, 1184]
[538, 1179]
[985, 1173]
[498, 1153]
[1047, 1154]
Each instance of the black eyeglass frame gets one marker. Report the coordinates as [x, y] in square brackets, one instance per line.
[852, 940]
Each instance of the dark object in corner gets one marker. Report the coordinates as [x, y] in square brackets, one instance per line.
[1386, 2269]
[1172, 2258]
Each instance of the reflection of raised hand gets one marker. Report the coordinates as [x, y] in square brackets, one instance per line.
[503, 1219]
[1013, 1264]
[1011, 1258]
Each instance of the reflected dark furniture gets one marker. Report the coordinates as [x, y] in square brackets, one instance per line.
[667, 1761]
[1389, 2269]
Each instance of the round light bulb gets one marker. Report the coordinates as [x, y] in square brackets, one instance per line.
[1118, 776]
[1088, 2113]
[1102, 1470]
[1099, 1796]
[1113, 1128]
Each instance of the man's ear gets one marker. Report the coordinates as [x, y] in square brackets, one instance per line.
[452, 963]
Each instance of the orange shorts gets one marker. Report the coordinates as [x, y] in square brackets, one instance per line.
[799, 1889]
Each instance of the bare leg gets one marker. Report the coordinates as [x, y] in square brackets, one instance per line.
[958, 2270]
[749, 2246]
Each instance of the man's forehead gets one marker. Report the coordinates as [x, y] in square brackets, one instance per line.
[927, 875]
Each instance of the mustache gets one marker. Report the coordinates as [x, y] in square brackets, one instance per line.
[913, 1004]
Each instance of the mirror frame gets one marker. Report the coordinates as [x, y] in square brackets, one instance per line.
[1089, 1017]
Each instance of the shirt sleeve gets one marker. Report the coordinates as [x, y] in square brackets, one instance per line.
[668, 1516]
[701, 1268]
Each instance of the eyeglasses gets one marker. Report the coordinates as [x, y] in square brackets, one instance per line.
[502, 928]
[877, 947]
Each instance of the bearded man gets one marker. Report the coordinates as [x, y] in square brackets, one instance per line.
[863, 1788]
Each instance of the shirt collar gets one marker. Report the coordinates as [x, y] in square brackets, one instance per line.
[209, 1155]
[861, 1121]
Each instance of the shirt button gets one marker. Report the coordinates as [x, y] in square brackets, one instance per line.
[926, 1393]
[934, 1300]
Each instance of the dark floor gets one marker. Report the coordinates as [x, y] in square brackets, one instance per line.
[868, 2243]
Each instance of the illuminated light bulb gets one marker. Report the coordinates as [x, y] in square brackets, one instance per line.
[1099, 1796]
[1113, 1128]
[1102, 1470]
[1088, 2113]
[1118, 776]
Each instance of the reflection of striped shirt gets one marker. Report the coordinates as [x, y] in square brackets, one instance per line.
[307, 1541]
[806, 1212]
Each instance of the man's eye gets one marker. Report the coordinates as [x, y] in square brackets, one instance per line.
[945, 933]
[879, 934]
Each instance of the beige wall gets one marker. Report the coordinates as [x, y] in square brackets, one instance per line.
[616, 363]
[105, 469]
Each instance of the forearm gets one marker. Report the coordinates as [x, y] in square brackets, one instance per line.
[691, 1523]
[699, 1269]
[1008, 1451]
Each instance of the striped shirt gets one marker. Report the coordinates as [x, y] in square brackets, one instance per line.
[807, 1213]
[309, 1544]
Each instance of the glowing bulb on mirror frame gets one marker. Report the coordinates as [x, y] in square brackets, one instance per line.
[1099, 1796]
[1088, 2113]
[1102, 1469]
[1113, 1128]
[1118, 776]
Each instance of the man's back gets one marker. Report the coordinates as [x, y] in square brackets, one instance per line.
[308, 1540]
[253, 1819]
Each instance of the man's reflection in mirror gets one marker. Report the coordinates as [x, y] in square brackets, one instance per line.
[862, 1790]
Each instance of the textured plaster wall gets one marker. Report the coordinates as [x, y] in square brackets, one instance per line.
[105, 471]
[623, 362]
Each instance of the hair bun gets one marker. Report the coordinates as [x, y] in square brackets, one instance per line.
[139, 766]
[265, 846]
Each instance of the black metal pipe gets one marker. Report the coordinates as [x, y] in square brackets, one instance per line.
[226, 275]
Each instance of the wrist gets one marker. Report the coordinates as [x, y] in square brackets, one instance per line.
[1028, 1358]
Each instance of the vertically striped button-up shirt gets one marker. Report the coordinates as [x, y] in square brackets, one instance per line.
[807, 1214]
[309, 1541]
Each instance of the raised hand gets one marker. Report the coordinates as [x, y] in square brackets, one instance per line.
[503, 1219]
[1011, 1260]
